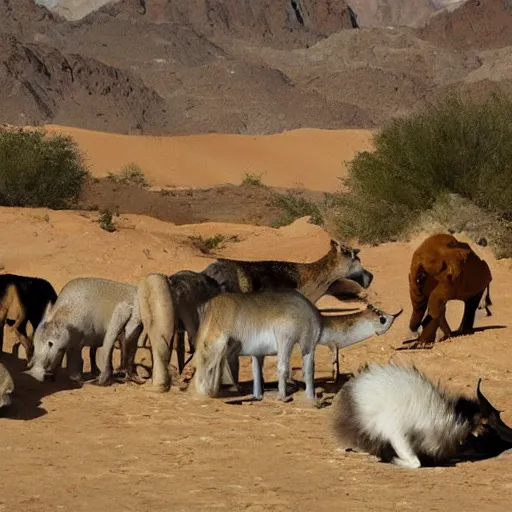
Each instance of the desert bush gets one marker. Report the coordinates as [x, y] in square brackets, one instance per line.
[205, 245]
[458, 146]
[294, 206]
[39, 170]
[131, 174]
[253, 179]
[106, 221]
[460, 215]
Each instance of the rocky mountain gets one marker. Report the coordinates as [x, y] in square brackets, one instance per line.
[396, 13]
[197, 66]
[42, 85]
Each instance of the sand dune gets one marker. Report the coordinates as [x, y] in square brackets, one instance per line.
[61, 245]
[312, 159]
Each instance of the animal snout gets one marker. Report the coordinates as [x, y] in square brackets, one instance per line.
[367, 278]
[36, 372]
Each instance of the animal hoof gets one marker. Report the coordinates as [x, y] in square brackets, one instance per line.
[143, 372]
[257, 398]
[285, 399]
[103, 382]
[183, 386]
[159, 388]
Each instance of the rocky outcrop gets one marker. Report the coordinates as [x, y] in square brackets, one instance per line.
[280, 21]
[476, 25]
[42, 85]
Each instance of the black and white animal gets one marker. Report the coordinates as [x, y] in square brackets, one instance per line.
[23, 299]
[396, 413]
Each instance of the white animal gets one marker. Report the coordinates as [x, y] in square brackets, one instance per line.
[88, 312]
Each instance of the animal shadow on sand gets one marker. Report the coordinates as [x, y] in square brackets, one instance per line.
[328, 388]
[409, 344]
[475, 450]
[28, 392]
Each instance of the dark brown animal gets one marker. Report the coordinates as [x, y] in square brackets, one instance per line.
[23, 299]
[443, 269]
[313, 280]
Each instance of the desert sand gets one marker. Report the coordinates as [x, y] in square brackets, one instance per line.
[125, 448]
[313, 159]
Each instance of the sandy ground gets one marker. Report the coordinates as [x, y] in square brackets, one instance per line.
[124, 448]
[313, 159]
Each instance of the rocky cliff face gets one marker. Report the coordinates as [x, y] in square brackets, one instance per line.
[476, 25]
[276, 20]
[41, 85]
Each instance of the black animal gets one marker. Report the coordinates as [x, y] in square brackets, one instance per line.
[23, 299]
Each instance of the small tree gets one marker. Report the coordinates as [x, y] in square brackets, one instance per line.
[37, 170]
[458, 146]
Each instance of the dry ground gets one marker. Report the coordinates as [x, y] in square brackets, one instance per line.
[124, 448]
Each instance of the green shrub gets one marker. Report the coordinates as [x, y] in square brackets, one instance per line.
[206, 245]
[39, 170]
[253, 180]
[106, 221]
[131, 174]
[458, 146]
[294, 206]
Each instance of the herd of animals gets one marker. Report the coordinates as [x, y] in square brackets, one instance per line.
[266, 308]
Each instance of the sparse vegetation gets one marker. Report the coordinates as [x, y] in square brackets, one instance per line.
[39, 170]
[458, 147]
[293, 206]
[106, 221]
[457, 214]
[253, 179]
[206, 245]
[131, 174]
